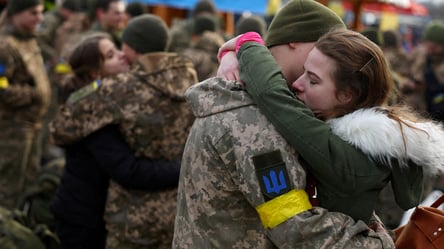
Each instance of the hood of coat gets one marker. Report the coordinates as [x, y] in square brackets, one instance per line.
[216, 95]
[168, 73]
[380, 137]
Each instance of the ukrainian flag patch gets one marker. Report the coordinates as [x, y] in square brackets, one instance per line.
[272, 174]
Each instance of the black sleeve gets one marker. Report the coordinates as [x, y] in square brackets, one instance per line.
[115, 157]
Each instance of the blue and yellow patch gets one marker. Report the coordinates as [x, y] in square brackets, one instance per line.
[83, 92]
[281, 201]
[4, 83]
[272, 174]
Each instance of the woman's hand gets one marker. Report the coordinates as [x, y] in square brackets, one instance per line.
[228, 63]
[229, 67]
[229, 45]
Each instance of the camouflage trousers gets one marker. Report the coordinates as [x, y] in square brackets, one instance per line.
[140, 219]
[20, 151]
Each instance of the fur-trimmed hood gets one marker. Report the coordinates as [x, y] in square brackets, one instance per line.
[382, 139]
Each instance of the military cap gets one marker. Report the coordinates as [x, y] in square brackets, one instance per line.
[204, 7]
[434, 32]
[374, 35]
[204, 23]
[73, 5]
[146, 33]
[301, 21]
[17, 6]
[251, 23]
[135, 9]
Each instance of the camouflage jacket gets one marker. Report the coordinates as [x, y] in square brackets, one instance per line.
[115, 34]
[47, 33]
[204, 54]
[146, 102]
[219, 187]
[26, 97]
[150, 106]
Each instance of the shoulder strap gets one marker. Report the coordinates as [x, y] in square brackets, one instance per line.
[83, 92]
[438, 202]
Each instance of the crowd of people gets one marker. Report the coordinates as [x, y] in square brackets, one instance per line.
[122, 132]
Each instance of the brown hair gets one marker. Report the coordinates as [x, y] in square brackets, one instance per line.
[361, 69]
[85, 59]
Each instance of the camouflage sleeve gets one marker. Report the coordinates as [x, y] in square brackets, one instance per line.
[18, 88]
[318, 228]
[83, 117]
[315, 228]
[46, 37]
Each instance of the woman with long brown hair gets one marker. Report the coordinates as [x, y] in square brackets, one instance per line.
[338, 121]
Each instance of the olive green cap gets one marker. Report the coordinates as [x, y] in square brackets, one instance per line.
[251, 23]
[434, 32]
[374, 35]
[301, 21]
[17, 6]
[146, 33]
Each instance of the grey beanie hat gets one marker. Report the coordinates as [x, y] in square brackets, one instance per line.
[146, 33]
[301, 21]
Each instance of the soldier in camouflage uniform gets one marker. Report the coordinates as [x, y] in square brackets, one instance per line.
[203, 51]
[52, 21]
[110, 16]
[24, 98]
[58, 24]
[182, 30]
[149, 106]
[103, 154]
[241, 184]
[220, 188]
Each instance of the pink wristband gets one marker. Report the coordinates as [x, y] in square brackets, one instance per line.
[248, 37]
[222, 53]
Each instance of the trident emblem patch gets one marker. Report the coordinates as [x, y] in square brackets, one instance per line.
[272, 174]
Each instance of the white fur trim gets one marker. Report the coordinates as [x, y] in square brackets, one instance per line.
[380, 137]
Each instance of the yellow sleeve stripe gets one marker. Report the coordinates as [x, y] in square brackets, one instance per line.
[278, 210]
[4, 83]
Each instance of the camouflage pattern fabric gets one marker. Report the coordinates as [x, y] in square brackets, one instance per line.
[204, 55]
[115, 34]
[219, 190]
[180, 35]
[16, 235]
[137, 219]
[47, 34]
[23, 105]
[149, 105]
[68, 34]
